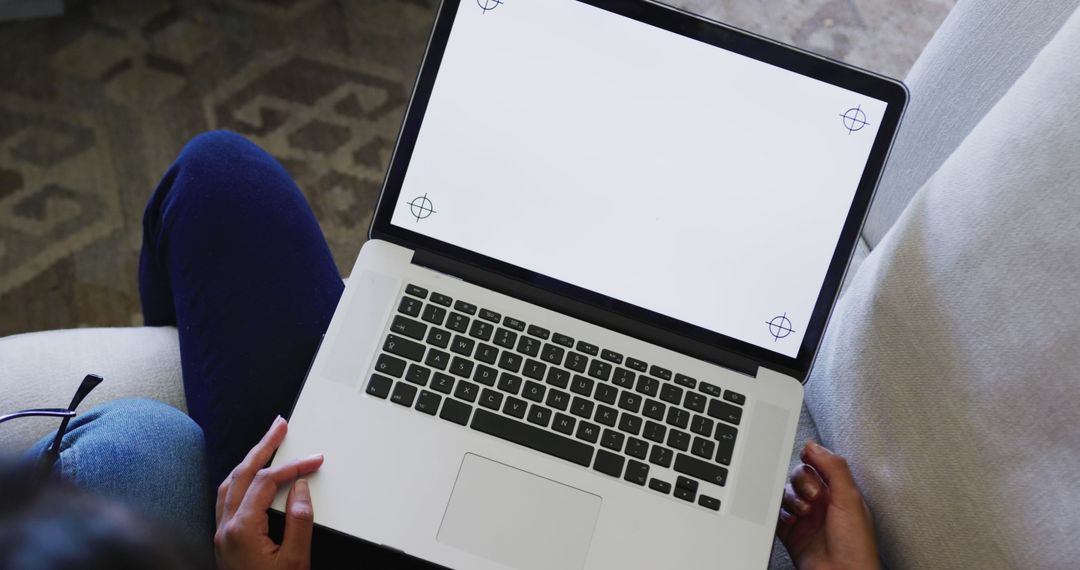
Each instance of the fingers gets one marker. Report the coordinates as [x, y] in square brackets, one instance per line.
[834, 472]
[793, 503]
[236, 485]
[299, 521]
[267, 481]
[784, 524]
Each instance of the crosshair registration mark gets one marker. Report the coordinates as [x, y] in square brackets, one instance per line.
[488, 5]
[855, 120]
[421, 208]
[780, 327]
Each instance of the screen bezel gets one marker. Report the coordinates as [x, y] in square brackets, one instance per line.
[892, 92]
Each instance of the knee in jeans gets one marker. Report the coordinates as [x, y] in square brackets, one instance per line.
[144, 415]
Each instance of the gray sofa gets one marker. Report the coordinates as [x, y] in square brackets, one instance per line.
[952, 348]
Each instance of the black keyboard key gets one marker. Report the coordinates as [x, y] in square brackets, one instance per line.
[438, 359]
[440, 299]
[696, 402]
[710, 389]
[702, 425]
[486, 353]
[612, 439]
[510, 361]
[725, 443]
[588, 432]
[563, 424]
[379, 386]
[539, 415]
[515, 407]
[600, 370]
[558, 399]
[408, 327]
[514, 324]
[655, 432]
[491, 399]
[462, 345]
[590, 349]
[563, 340]
[699, 469]
[661, 456]
[630, 401]
[671, 393]
[532, 437]
[637, 365]
[684, 494]
[581, 385]
[404, 347]
[418, 375]
[630, 423]
[552, 354]
[637, 472]
[662, 373]
[686, 483]
[577, 362]
[685, 381]
[539, 332]
[486, 375]
[439, 337]
[428, 402]
[581, 407]
[529, 346]
[607, 416]
[678, 439]
[678, 417]
[534, 369]
[481, 330]
[648, 386]
[467, 391]
[461, 367]
[442, 383]
[608, 463]
[434, 315]
[490, 316]
[509, 383]
[416, 291]
[637, 448]
[534, 391]
[709, 502]
[467, 308]
[606, 393]
[458, 322]
[725, 411]
[410, 306]
[505, 338]
[623, 378]
[403, 395]
[390, 365]
[660, 486]
[703, 447]
[558, 377]
[734, 397]
[611, 356]
[455, 411]
[654, 410]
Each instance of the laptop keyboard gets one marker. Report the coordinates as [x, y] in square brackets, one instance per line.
[557, 395]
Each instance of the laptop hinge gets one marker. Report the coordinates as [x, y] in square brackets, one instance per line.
[577, 309]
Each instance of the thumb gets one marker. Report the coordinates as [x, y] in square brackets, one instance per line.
[835, 472]
[299, 521]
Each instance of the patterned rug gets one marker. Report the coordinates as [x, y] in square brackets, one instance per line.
[94, 106]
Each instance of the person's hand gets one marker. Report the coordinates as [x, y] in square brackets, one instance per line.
[242, 539]
[824, 522]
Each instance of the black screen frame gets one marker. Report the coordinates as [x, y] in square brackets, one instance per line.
[891, 91]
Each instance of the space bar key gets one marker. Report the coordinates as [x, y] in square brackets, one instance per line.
[533, 438]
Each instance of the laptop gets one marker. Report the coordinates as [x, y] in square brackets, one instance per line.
[604, 257]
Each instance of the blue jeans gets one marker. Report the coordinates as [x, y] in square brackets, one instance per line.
[234, 258]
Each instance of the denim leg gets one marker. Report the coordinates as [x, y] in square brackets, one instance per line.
[143, 453]
[233, 256]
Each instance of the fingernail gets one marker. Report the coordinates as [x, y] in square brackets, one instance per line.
[801, 506]
[302, 490]
[810, 490]
[815, 447]
[278, 420]
[317, 456]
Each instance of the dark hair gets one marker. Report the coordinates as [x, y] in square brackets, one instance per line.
[48, 524]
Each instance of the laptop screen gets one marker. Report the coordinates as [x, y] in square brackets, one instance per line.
[639, 164]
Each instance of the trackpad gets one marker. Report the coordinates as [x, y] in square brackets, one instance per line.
[518, 519]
